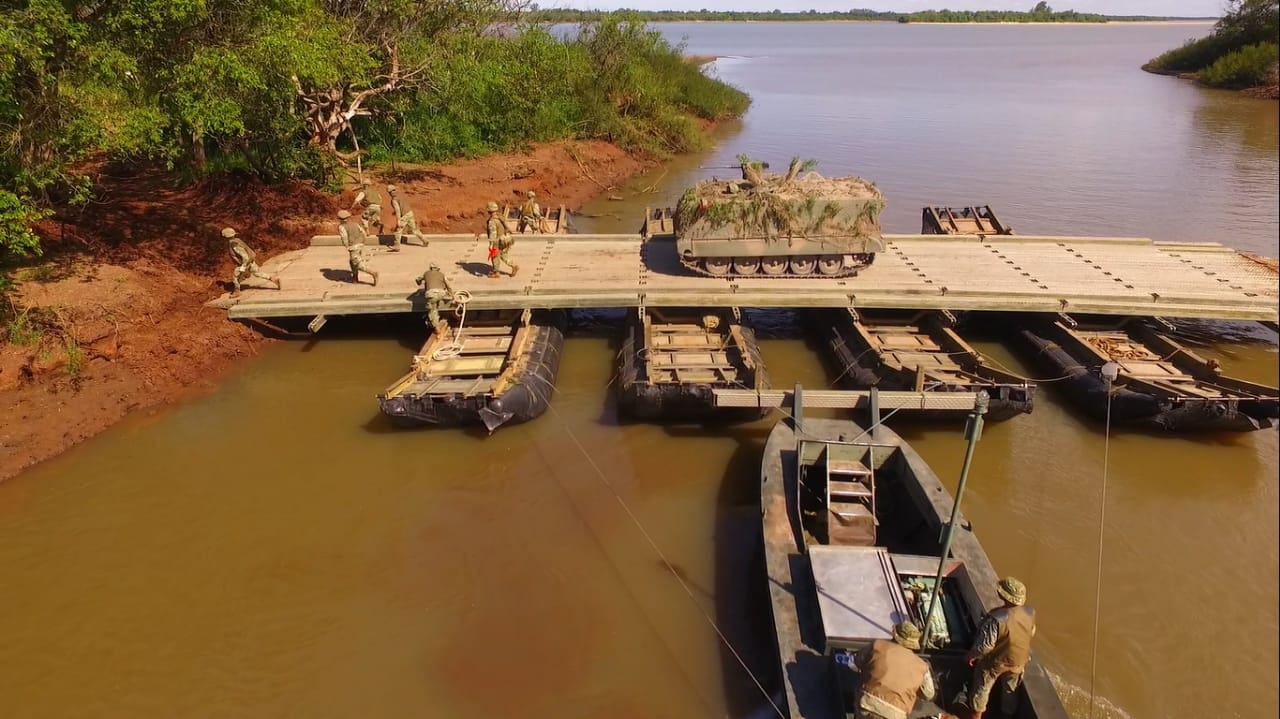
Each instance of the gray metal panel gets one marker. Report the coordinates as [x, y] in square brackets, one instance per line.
[859, 599]
[848, 399]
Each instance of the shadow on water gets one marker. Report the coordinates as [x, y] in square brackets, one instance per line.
[751, 673]
[1250, 123]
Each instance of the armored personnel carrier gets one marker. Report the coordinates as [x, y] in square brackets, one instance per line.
[779, 225]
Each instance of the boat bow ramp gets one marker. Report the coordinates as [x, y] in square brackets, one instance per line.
[1102, 275]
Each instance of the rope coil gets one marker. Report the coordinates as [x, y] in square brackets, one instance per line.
[454, 348]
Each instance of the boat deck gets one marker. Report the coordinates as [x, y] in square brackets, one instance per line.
[1117, 276]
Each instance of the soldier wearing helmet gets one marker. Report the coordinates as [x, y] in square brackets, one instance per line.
[369, 199]
[500, 241]
[246, 262]
[1002, 648]
[405, 220]
[439, 293]
[892, 675]
[530, 214]
[352, 236]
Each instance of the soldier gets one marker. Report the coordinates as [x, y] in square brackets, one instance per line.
[371, 201]
[353, 239]
[530, 215]
[1002, 648]
[500, 241]
[892, 675]
[246, 262]
[405, 221]
[437, 290]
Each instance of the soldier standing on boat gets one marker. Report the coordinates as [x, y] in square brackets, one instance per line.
[530, 214]
[371, 201]
[405, 221]
[892, 675]
[352, 235]
[500, 241]
[1002, 649]
[246, 262]
[438, 291]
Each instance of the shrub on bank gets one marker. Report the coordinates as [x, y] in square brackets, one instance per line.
[1240, 53]
[1249, 66]
[617, 79]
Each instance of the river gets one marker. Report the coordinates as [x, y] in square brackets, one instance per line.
[275, 549]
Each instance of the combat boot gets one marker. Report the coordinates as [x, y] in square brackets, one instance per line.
[375, 278]
[514, 270]
[276, 280]
[235, 292]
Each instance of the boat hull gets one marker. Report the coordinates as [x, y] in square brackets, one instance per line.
[1087, 390]
[641, 397]
[920, 506]
[526, 396]
[863, 366]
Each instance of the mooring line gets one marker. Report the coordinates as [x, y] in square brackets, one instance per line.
[635, 520]
[1102, 523]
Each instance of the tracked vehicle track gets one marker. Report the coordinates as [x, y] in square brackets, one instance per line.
[779, 266]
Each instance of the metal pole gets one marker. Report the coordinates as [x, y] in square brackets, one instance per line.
[973, 432]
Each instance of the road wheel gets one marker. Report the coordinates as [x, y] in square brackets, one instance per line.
[746, 265]
[803, 265]
[830, 265]
[718, 266]
[774, 265]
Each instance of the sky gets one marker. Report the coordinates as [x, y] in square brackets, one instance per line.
[1174, 8]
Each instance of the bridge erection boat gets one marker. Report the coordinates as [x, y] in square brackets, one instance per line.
[499, 368]
[915, 351]
[672, 361]
[1160, 384]
[852, 522]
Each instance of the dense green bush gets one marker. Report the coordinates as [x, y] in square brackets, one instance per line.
[1249, 66]
[1191, 57]
[283, 89]
[1241, 52]
[617, 79]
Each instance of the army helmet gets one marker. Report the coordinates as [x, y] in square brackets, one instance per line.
[433, 266]
[907, 634]
[228, 232]
[492, 206]
[343, 214]
[532, 194]
[1012, 591]
[391, 189]
[365, 181]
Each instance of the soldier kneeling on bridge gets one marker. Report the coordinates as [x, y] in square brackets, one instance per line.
[437, 290]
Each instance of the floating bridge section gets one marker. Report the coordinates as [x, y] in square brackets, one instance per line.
[1103, 275]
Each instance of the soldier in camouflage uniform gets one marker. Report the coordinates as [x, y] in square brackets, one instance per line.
[500, 241]
[439, 293]
[1002, 649]
[405, 221]
[246, 262]
[371, 201]
[352, 235]
[530, 215]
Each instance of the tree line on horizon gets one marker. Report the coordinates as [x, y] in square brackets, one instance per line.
[275, 90]
[1041, 12]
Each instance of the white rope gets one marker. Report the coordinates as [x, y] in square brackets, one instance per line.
[1102, 523]
[454, 348]
[635, 520]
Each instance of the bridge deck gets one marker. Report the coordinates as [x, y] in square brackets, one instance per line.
[1124, 276]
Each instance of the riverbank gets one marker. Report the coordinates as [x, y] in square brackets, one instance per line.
[112, 321]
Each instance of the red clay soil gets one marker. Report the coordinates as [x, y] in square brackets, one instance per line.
[113, 320]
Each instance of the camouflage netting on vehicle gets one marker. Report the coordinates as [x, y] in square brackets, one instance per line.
[810, 206]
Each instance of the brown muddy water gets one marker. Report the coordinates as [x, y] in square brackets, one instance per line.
[276, 549]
